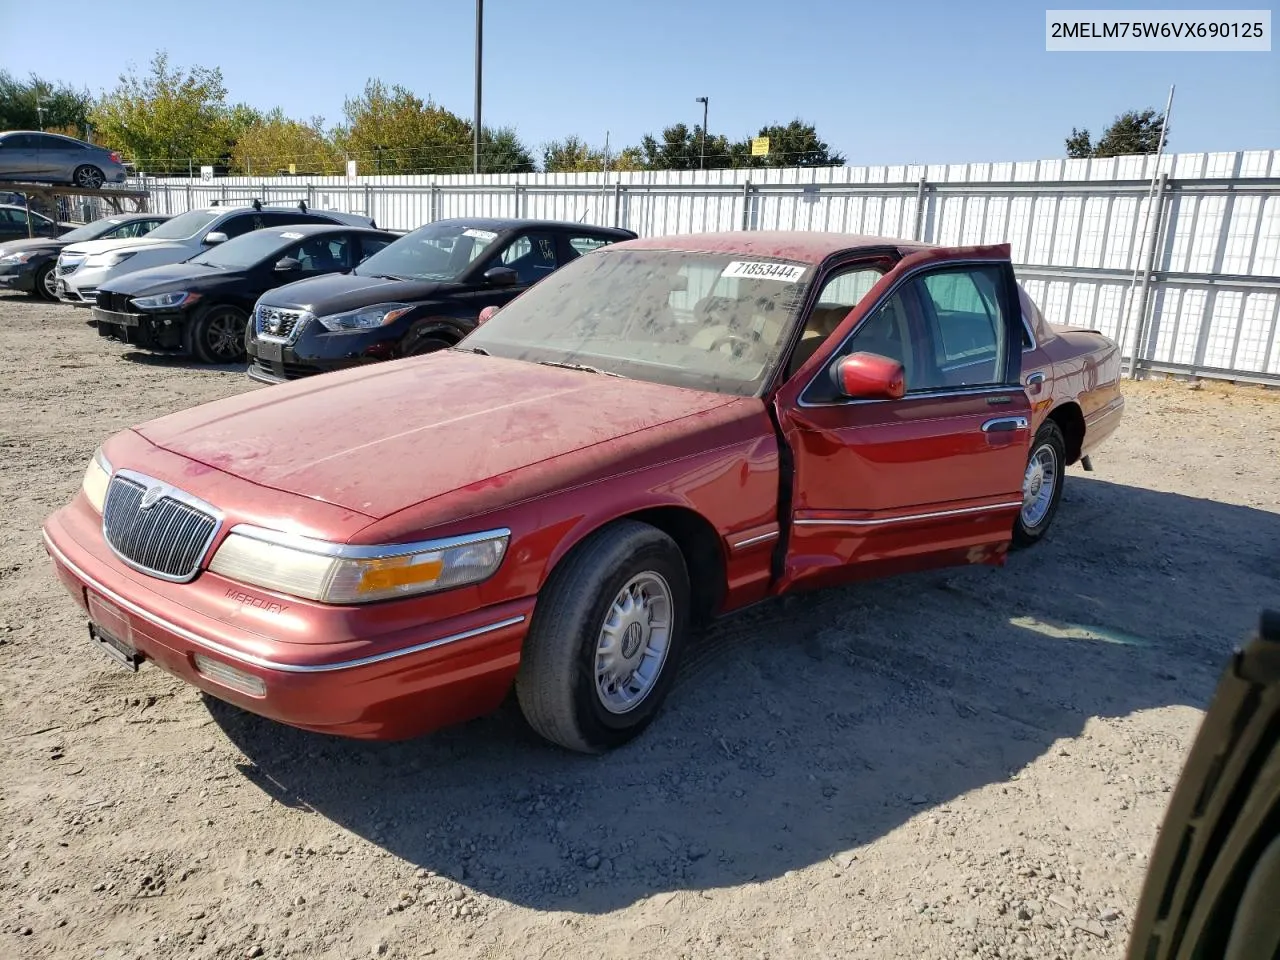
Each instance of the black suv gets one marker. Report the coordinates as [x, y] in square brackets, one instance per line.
[421, 293]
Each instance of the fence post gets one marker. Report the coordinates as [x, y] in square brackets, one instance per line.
[368, 200]
[1140, 323]
[922, 189]
[516, 190]
[189, 199]
[435, 201]
[617, 202]
[746, 205]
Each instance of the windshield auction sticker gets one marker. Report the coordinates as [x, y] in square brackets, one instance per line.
[479, 234]
[763, 270]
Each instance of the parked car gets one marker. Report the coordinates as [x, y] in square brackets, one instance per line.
[29, 265]
[421, 293]
[662, 431]
[28, 155]
[13, 224]
[83, 267]
[1214, 876]
[201, 306]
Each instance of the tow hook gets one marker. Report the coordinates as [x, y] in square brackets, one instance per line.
[1087, 464]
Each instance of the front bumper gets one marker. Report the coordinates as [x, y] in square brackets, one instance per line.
[18, 276]
[365, 683]
[317, 351]
[80, 286]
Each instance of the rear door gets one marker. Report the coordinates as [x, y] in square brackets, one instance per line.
[934, 478]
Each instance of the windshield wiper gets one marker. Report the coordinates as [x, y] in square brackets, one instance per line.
[385, 276]
[579, 366]
[480, 350]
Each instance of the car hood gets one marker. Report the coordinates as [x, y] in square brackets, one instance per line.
[34, 245]
[90, 247]
[170, 276]
[336, 293]
[384, 437]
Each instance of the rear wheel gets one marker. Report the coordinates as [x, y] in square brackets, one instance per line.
[1041, 485]
[46, 287]
[216, 334]
[88, 176]
[606, 638]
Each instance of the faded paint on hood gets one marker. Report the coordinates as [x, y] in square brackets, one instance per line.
[381, 438]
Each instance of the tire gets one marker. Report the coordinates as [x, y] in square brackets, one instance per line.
[88, 176]
[1039, 507]
[44, 285]
[216, 334]
[590, 593]
[427, 344]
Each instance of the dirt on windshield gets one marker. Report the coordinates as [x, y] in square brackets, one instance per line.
[963, 763]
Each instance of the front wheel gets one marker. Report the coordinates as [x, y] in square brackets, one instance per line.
[1041, 485]
[216, 334]
[46, 284]
[605, 639]
[424, 345]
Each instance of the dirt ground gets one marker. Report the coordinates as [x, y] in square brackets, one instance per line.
[969, 762]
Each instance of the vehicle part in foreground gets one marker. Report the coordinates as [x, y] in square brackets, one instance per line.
[658, 433]
[1213, 884]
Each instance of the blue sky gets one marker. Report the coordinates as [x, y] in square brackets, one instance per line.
[930, 81]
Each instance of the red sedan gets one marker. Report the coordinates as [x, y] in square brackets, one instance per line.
[663, 431]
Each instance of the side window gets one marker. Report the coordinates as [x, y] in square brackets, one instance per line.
[966, 326]
[531, 255]
[371, 245]
[241, 224]
[324, 254]
[11, 216]
[838, 296]
[20, 141]
[55, 143]
[586, 244]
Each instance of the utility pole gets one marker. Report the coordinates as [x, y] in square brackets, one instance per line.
[702, 152]
[40, 112]
[475, 157]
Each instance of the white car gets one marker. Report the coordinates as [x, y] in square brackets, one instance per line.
[83, 267]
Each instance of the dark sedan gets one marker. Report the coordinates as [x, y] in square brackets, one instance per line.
[200, 306]
[422, 293]
[28, 265]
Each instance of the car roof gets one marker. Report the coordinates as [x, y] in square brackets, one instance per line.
[802, 245]
[311, 229]
[499, 224]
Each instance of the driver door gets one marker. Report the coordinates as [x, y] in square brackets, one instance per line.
[885, 486]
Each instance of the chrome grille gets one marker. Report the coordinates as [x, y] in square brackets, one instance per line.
[156, 528]
[68, 265]
[274, 323]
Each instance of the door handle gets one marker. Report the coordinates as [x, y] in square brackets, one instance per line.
[1004, 425]
[1034, 378]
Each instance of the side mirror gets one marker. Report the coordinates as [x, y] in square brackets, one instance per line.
[288, 265]
[869, 376]
[486, 315]
[215, 236]
[501, 277]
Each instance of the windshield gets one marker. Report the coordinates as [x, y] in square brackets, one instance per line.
[184, 225]
[707, 321]
[247, 249]
[90, 231]
[438, 251]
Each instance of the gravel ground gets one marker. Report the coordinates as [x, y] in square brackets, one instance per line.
[968, 762]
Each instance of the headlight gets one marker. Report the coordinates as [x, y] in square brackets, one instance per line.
[110, 259]
[16, 257]
[366, 318]
[96, 477]
[165, 301]
[337, 573]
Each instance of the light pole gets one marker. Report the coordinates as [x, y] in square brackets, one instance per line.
[40, 112]
[475, 145]
[702, 152]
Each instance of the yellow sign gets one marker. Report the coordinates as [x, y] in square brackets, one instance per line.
[760, 147]
[293, 168]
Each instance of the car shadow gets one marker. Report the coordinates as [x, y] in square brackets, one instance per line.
[806, 727]
[177, 361]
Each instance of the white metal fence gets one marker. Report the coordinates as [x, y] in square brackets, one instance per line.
[1207, 267]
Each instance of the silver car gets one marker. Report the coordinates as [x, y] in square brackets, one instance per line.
[52, 158]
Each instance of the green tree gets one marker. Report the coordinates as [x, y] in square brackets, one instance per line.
[501, 151]
[391, 130]
[23, 102]
[575, 155]
[167, 119]
[1133, 132]
[794, 145]
[681, 148]
[267, 147]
